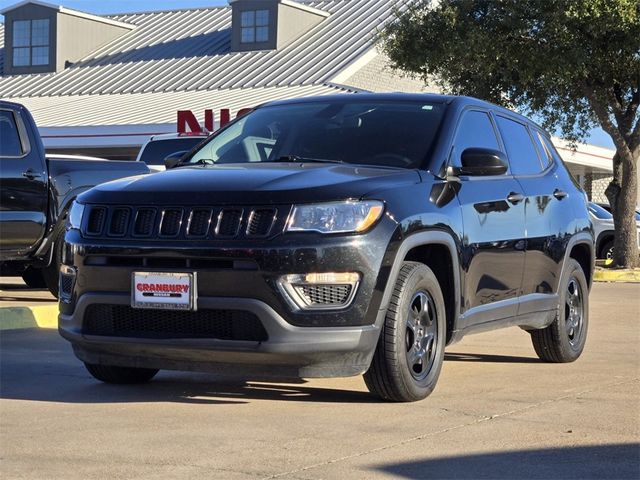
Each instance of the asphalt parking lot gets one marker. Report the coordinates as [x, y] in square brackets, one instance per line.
[497, 413]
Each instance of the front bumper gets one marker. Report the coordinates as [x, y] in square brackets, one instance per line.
[289, 351]
[235, 276]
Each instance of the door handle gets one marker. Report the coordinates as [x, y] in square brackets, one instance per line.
[31, 174]
[560, 194]
[515, 198]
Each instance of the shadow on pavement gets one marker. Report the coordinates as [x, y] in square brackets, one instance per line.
[475, 357]
[38, 365]
[617, 461]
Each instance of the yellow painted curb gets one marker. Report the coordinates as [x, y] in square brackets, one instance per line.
[616, 275]
[41, 316]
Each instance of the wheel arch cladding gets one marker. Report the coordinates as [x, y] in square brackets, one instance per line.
[582, 254]
[438, 258]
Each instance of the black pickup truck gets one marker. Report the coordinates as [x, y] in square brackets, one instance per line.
[36, 194]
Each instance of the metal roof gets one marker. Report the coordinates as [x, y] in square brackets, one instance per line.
[154, 108]
[189, 50]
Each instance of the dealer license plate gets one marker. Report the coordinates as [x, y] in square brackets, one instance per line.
[168, 291]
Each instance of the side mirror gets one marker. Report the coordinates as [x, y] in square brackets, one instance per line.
[172, 160]
[479, 162]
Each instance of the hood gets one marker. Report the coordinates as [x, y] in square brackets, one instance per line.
[250, 184]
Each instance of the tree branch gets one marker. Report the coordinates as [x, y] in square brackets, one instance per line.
[607, 125]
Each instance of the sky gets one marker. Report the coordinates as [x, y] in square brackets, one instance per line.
[100, 7]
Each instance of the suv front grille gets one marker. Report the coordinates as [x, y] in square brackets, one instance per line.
[156, 223]
[124, 321]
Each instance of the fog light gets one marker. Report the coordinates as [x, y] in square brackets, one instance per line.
[66, 283]
[320, 291]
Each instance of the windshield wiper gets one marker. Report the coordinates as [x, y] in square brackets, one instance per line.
[299, 159]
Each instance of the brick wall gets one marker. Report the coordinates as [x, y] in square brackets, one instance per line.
[378, 76]
[595, 184]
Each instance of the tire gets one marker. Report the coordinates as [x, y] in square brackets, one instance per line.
[120, 375]
[607, 252]
[410, 351]
[34, 278]
[563, 341]
[51, 274]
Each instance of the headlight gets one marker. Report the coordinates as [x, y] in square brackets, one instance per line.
[335, 217]
[75, 215]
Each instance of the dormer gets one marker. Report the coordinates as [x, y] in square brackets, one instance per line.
[270, 24]
[40, 37]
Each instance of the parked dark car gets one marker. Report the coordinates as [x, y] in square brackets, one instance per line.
[36, 194]
[333, 236]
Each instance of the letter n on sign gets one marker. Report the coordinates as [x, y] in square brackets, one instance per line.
[187, 122]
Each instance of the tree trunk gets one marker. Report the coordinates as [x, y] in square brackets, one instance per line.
[622, 196]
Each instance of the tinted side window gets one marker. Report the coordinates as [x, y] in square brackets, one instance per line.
[475, 130]
[10, 145]
[551, 149]
[545, 154]
[522, 154]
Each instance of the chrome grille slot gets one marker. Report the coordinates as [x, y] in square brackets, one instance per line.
[260, 222]
[199, 222]
[171, 222]
[119, 223]
[229, 223]
[145, 221]
[97, 217]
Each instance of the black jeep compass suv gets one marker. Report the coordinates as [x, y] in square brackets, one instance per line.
[333, 236]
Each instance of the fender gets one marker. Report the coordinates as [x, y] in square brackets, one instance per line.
[578, 239]
[431, 237]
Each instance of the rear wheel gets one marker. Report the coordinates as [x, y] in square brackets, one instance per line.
[410, 351]
[121, 375]
[563, 340]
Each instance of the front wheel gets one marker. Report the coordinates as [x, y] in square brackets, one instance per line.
[120, 375]
[607, 252]
[410, 351]
[563, 340]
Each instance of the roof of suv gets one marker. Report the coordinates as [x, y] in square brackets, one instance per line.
[457, 100]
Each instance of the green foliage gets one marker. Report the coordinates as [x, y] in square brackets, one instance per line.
[550, 57]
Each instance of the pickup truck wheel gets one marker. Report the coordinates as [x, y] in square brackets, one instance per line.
[34, 278]
[51, 273]
[121, 375]
[410, 350]
[563, 340]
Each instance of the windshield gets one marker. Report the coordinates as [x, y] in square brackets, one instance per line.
[156, 151]
[391, 134]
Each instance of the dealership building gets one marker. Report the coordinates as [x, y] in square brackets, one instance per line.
[102, 85]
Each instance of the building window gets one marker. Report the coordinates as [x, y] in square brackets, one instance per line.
[30, 43]
[254, 26]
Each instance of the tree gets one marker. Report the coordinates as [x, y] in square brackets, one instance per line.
[575, 63]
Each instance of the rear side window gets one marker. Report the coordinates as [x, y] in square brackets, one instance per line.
[520, 149]
[474, 131]
[10, 145]
[155, 152]
[545, 154]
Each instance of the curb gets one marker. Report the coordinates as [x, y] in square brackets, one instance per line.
[42, 316]
[616, 275]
